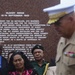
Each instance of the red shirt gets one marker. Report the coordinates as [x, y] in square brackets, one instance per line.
[26, 72]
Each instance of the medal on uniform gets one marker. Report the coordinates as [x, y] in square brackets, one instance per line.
[70, 54]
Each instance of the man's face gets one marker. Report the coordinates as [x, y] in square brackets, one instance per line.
[64, 26]
[38, 54]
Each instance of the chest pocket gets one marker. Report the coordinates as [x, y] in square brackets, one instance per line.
[69, 59]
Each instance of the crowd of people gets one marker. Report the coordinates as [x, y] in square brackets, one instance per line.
[17, 63]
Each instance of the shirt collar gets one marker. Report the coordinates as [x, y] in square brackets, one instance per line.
[72, 39]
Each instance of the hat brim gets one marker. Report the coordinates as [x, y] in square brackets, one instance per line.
[51, 21]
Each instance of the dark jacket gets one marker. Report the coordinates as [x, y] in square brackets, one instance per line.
[4, 64]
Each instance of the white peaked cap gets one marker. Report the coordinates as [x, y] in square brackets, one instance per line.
[57, 11]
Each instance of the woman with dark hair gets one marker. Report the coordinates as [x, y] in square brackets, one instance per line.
[20, 65]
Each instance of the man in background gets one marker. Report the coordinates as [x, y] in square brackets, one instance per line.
[62, 16]
[39, 64]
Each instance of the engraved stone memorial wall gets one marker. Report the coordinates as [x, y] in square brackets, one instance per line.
[23, 24]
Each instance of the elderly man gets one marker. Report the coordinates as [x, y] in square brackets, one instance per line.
[39, 64]
[62, 16]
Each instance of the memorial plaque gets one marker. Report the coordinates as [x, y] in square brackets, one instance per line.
[23, 24]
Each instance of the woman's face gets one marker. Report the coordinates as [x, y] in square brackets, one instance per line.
[18, 62]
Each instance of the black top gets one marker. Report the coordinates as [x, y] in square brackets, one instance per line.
[4, 65]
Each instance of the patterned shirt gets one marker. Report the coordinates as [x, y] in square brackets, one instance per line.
[26, 72]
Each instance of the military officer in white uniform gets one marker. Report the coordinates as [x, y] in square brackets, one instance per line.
[62, 16]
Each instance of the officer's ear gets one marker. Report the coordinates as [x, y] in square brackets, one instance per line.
[71, 18]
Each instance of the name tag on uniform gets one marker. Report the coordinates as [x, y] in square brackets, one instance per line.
[0, 61]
